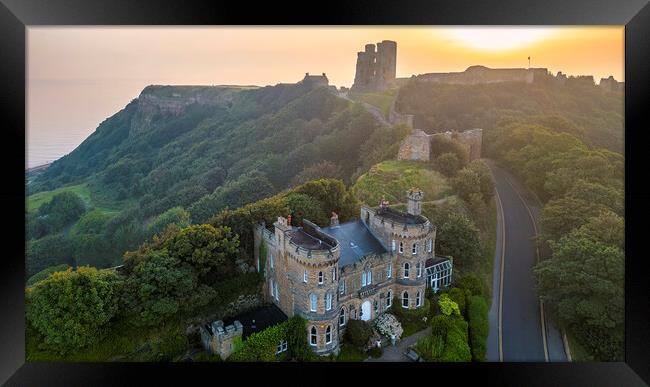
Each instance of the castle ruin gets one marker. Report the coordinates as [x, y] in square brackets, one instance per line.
[376, 69]
[417, 146]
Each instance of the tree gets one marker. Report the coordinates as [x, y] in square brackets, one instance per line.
[297, 344]
[49, 251]
[321, 170]
[176, 215]
[458, 296]
[457, 236]
[305, 207]
[447, 164]
[441, 145]
[161, 286]
[63, 209]
[583, 285]
[71, 309]
[333, 196]
[560, 216]
[205, 248]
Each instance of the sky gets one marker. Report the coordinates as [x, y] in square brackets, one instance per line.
[79, 76]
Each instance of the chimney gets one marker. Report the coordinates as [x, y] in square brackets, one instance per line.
[334, 220]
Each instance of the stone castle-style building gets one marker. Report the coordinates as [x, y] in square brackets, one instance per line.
[352, 270]
[376, 69]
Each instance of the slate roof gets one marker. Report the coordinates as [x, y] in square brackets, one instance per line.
[356, 241]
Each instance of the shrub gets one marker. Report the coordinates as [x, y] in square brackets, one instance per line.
[388, 325]
[477, 314]
[448, 306]
[72, 309]
[375, 352]
[458, 296]
[456, 347]
[358, 333]
[473, 284]
[447, 164]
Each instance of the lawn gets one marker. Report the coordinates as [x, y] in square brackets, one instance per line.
[392, 178]
[91, 198]
[38, 199]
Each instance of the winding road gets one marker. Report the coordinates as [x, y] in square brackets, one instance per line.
[519, 329]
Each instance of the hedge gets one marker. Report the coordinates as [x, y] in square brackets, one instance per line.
[458, 296]
[477, 314]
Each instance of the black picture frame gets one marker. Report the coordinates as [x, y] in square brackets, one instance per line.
[16, 15]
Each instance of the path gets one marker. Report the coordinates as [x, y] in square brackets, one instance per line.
[396, 353]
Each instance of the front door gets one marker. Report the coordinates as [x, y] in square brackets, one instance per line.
[365, 311]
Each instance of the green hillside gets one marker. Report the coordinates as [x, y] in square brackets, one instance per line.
[198, 150]
[393, 178]
[592, 114]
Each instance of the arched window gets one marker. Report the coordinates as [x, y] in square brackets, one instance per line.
[389, 299]
[405, 300]
[320, 277]
[333, 274]
[401, 247]
[414, 248]
[369, 277]
[313, 302]
[313, 337]
[418, 299]
[328, 301]
[407, 267]
[419, 269]
[364, 281]
[304, 276]
[328, 334]
[389, 270]
[430, 245]
[342, 317]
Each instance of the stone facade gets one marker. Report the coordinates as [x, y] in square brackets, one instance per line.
[327, 281]
[220, 340]
[376, 69]
[417, 146]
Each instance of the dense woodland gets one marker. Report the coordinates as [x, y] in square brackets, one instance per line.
[173, 199]
[187, 168]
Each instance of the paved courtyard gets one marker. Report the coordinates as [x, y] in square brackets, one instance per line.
[396, 353]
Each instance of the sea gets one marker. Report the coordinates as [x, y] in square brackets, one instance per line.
[61, 114]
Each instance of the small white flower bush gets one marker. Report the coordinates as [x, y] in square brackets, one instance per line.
[389, 326]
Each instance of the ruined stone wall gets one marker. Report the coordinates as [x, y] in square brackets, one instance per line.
[376, 70]
[417, 146]
[481, 74]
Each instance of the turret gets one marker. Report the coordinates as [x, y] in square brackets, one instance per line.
[414, 201]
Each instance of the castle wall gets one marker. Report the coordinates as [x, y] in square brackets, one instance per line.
[481, 74]
[417, 146]
[375, 70]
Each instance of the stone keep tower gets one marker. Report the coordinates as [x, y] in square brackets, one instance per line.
[376, 69]
[414, 201]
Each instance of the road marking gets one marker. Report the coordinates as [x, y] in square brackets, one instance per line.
[503, 245]
[541, 304]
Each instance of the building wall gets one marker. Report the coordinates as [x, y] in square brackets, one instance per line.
[417, 146]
